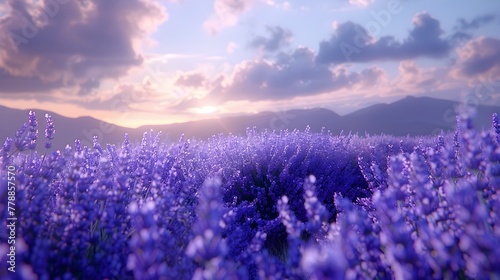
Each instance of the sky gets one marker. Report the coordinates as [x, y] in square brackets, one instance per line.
[138, 62]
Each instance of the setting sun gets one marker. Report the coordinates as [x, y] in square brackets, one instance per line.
[206, 110]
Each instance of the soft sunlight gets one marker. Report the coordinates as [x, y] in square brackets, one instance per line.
[206, 110]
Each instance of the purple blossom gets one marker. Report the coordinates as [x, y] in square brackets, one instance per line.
[33, 131]
[6, 147]
[270, 205]
[50, 130]
[495, 125]
[20, 142]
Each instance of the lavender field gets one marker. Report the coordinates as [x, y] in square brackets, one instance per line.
[271, 205]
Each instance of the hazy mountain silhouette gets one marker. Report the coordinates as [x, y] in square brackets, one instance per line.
[293, 119]
[413, 116]
[409, 116]
[67, 129]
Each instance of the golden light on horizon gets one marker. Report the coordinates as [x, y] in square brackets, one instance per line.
[205, 110]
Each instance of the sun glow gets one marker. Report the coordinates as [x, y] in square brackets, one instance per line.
[206, 110]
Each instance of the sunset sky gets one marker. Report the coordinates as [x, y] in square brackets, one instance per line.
[133, 62]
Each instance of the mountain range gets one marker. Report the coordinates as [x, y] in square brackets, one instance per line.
[409, 116]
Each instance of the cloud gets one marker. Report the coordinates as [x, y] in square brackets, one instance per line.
[231, 47]
[278, 38]
[226, 14]
[75, 43]
[463, 27]
[288, 76]
[370, 77]
[123, 97]
[88, 86]
[283, 5]
[413, 79]
[361, 3]
[353, 43]
[479, 57]
[13, 84]
[476, 22]
[190, 80]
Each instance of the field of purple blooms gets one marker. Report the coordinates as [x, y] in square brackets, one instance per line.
[270, 205]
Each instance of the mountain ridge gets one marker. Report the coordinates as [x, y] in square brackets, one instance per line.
[408, 116]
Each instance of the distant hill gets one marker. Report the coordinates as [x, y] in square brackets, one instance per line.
[67, 129]
[409, 116]
[413, 116]
[293, 119]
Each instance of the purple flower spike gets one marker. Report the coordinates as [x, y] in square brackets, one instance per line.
[7, 147]
[50, 130]
[33, 131]
[496, 126]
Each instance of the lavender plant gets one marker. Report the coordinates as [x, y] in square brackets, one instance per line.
[270, 205]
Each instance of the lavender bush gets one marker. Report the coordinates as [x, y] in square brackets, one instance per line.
[270, 205]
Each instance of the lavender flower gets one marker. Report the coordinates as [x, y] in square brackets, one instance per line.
[20, 141]
[324, 263]
[316, 212]
[496, 125]
[208, 243]
[6, 147]
[33, 131]
[49, 131]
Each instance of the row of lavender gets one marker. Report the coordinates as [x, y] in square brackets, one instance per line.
[295, 205]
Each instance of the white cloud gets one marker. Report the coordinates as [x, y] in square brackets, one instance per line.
[361, 3]
[226, 13]
[231, 47]
[478, 59]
